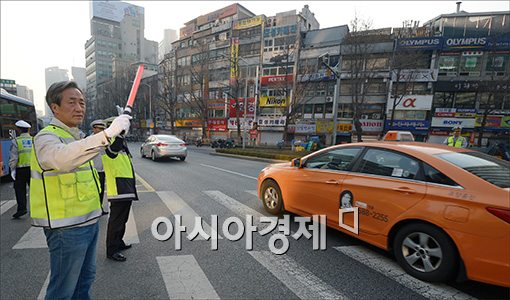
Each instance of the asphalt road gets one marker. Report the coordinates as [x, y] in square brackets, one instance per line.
[206, 185]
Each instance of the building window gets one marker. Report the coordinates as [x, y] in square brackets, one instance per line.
[470, 64]
[465, 100]
[497, 63]
[449, 64]
[443, 100]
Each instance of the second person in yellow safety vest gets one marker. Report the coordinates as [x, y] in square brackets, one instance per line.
[19, 163]
[64, 191]
[121, 191]
[456, 140]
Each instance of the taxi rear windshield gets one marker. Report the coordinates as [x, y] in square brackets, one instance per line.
[493, 170]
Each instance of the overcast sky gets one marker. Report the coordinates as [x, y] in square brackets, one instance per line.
[40, 34]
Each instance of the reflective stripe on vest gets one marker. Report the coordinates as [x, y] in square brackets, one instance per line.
[119, 177]
[62, 199]
[24, 144]
[458, 142]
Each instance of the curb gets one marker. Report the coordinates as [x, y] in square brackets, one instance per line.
[248, 157]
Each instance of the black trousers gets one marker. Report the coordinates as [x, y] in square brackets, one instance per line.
[20, 187]
[101, 184]
[119, 214]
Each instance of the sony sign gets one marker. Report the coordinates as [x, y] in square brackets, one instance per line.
[451, 122]
[410, 102]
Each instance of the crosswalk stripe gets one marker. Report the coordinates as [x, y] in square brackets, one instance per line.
[253, 192]
[33, 238]
[298, 279]
[184, 279]
[234, 205]
[42, 293]
[179, 207]
[6, 205]
[391, 269]
[131, 234]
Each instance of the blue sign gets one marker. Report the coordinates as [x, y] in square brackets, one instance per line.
[430, 43]
[407, 125]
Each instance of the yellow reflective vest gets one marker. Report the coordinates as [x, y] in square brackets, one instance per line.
[24, 144]
[62, 199]
[458, 142]
[120, 177]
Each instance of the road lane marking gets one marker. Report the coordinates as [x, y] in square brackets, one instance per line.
[42, 293]
[179, 207]
[6, 205]
[131, 234]
[253, 192]
[298, 279]
[145, 183]
[33, 238]
[184, 279]
[228, 171]
[392, 270]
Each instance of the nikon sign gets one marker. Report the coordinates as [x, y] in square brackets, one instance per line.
[273, 101]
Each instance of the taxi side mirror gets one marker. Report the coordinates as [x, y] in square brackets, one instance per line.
[296, 162]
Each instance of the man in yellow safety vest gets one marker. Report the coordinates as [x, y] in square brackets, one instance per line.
[456, 140]
[19, 163]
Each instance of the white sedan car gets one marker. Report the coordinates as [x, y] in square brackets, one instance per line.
[161, 145]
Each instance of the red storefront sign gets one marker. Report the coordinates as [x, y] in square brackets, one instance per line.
[217, 124]
[250, 110]
[267, 80]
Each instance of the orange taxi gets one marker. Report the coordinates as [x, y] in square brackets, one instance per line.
[444, 212]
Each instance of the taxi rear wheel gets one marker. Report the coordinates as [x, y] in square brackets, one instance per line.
[141, 153]
[425, 252]
[153, 156]
[272, 197]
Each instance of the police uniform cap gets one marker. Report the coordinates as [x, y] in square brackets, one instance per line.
[98, 123]
[22, 124]
[109, 121]
[456, 128]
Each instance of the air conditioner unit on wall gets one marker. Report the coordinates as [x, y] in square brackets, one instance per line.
[329, 99]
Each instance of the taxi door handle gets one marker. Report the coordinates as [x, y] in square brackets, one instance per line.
[332, 182]
[404, 190]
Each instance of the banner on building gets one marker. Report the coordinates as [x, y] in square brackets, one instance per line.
[248, 122]
[278, 56]
[234, 57]
[305, 128]
[368, 125]
[250, 110]
[271, 121]
[505, 122]
[188, 123]
[267, 80]
[217, 124]
[455, 112]
[273, 101]
[415, 75]
[247, 23]
[411, 102]
[344, 127]
[324, 126]
[408, 125]
[490, 121]
[451, 122]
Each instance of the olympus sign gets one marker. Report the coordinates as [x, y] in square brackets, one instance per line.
[421, 42]
[466, 41]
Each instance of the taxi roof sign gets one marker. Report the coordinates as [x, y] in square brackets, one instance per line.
[398, 136]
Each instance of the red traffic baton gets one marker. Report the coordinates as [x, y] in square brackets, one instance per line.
[134, 90]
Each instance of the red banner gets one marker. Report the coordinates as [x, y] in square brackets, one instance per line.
[250, 110]
[268, 80]
[217, 124]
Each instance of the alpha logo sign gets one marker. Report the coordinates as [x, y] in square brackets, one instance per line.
[450, 122]
[273, 101]
[411, 102]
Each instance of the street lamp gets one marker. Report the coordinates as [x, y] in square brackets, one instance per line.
[324, 59]
[150, 105]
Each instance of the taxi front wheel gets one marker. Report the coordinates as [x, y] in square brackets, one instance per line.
[272, 197]
[425, 252]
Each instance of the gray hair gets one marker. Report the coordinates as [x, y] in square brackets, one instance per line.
[54, 93]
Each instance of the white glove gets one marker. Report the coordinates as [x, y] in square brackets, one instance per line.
[13, 174]
[119, 124]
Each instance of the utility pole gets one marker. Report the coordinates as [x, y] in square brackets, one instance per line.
[245, 105]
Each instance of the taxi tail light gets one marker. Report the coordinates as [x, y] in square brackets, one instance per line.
[503, 214]
[183, 145]
[161, 145]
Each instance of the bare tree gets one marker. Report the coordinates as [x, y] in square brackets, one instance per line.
[495, 101]
[360, 64]
[168, 90]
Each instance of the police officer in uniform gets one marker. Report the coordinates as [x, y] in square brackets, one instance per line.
[456, 140]
[97, 127]
[19, 162]
[64, 191]
[121, 191]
